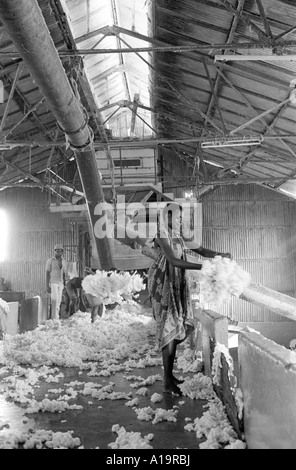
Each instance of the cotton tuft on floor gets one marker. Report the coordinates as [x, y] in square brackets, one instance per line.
[107, 390]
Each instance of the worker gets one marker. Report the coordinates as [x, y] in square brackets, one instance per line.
[56, 277]
[74, 299]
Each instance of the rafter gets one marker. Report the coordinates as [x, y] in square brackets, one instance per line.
[209, 48]
[33, 108]
[28, 175]
[48, 163]
[8, 145]
[246, 101]
[125, 104]
[268, 111]
[291, 176]
[246, 158]
[179, 94]
[264, 19]
[6, 69]
[143, 120]
[22, 102]
[14, 159]
[115, 29]
[228, 181]
[284, 33]
[121, 59]
[97, 124]
[266, 153]
[111, 115]
[233, 27]
[216, 85]
[242, 180]
[115, 69]
[215, 97]
[11, 93]
[245, 19]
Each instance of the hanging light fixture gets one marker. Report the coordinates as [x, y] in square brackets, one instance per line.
[240, 57]
[232, 142]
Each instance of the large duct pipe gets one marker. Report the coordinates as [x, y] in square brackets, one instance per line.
[25, 24]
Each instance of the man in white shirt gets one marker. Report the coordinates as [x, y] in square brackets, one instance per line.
[56, 276]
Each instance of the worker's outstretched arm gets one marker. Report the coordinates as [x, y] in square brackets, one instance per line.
[207, 253]
[171, 257]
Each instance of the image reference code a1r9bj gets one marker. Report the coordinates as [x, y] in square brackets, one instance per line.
[156, 459]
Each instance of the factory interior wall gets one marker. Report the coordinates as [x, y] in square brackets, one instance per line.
[257, 226]
[32, 233]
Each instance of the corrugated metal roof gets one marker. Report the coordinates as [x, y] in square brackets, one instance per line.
[222, 99]
[115, 77]
[153, 76]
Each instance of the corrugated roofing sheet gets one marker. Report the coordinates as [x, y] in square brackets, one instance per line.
[178, 95]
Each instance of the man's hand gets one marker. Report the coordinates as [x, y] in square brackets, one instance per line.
[48, 290]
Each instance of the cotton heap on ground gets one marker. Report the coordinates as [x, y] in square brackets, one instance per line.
[118, 344]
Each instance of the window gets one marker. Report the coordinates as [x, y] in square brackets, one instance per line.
[127, 162]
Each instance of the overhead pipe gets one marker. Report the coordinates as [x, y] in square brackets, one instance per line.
[24, 22]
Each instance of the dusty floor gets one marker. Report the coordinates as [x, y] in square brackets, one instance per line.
[93, 424]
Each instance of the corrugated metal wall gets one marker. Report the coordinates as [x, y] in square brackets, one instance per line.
[174, 170]
[257, 226]
[33, 232]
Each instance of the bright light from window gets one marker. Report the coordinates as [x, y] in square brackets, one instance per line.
[3, 235]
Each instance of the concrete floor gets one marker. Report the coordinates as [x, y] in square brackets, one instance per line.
[93, 425]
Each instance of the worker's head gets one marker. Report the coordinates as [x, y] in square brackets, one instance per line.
[172, 216]
[58, 250]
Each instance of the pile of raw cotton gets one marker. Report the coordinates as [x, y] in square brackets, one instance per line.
[110, 287]
[121, 333]
[120, 341]
[220, 278]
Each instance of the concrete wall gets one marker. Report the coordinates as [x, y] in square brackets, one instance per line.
[268, 383]
[266, 377]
